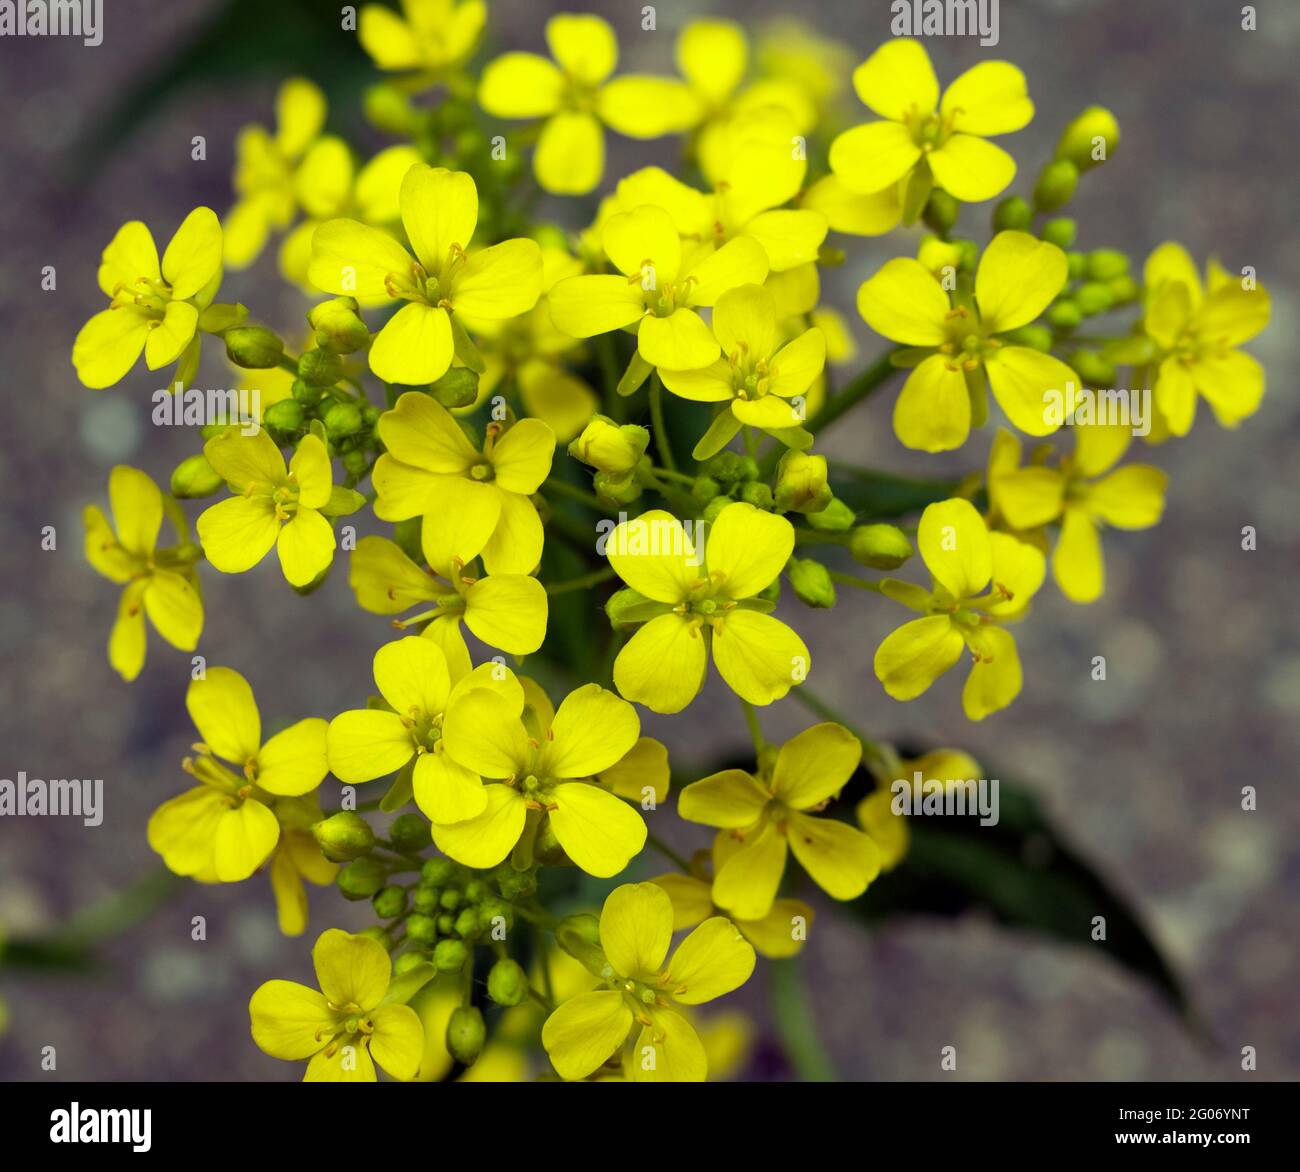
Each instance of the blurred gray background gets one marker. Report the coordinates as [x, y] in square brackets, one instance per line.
[1143, 772]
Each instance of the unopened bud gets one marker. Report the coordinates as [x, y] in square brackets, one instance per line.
[362, 878]
[1090, 138]
[836, 517]
[421, 928]
[1107, 263]
[450, 956]
[610, 447]
[344, 836]
[342, 420]
[389, 902]
[1056, 185]
[941, 211]
[1060, 232]
[195, 477]
[338, 326]
[457, 388]
[253, 347]
[388, 109]
[466, 1033]
[320, 368]
[880, 547]
[409, 832]
[801, 483]
[1012, 214]
[286, 417]
[507, 983]
[1094, 297]
[811, 582]
[617, 488]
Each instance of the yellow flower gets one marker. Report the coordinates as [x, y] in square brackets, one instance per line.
[924, 142]
[759, 373]
[645, 987]
[1198, 329]
[275, 507]
[224, 829]
[1018, 276]
[265, 164]
[297, 859]
[439, 212]
[349, 1025]
[693, 603]
[962, 557]
[660, 289]
[430, 466]
[504, 610]
[765, 814]
[159, 582]
[574, 94]
[1082, 494]
[435, 36]
[780, 933]
[547, 785]
[155, 308]
[875, 814]
[416, 686]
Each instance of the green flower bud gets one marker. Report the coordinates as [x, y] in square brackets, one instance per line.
[1060, 232]
[450, 956]
[457, 388]
[516, 884]
[941, 211]
[320, 368]
[466, 1034]
[339, 327]
[1064, 315]
[467, 923]
[342, 420]
[1090, 138]
[380, 936]
[425, 899]
[437, 872]
[704, 490]
[409, 832]
[836, 517]
[493, 908]
[1093, 298]
[609, 447]
[194, 477]
[757, 494]
[408, 961]
[1092, 368]
[771, 592]
[801, 483]
[388, 109]
[1106, 263]
[1013, 214]
[1123, 289]
[617, 488]
[626, 609]
[507, 983]
[306, 394]
[1076, 265]
[344, 836]
[1056, 185]
[811, 582]
[421, 928]
[880, 547]
[407, 535]
[287, 417]
[446, 924]
[1035, 337]
[726, 468]
[450, 900]
[748, 468]
[355, 461]
[714, 507]
[389, 902]
[253, 347]
[362, 878]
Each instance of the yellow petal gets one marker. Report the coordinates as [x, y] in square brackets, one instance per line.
[169, 337]
[782, 932]
[669, 1051]
[421, 432]
[225, 713]
[414, 347]
[103, 551]
[748, 546]
[738, 262]
[731, 799]
[1029, 386]
[989, 98]
[439, 212]
[243, 840]
[954, 543]
[108, 345]
[508, 611]
[137, 508]
[744, 319]
[874, 156]
[516, 543]
[583, 1032]
[972, 169]
[483, 732]
[643, 242]
[815, 764]
[1170, 263]
[559, 399]
[597, 831]
[446, 791]
[351, 969]
[323, 181]
[1129, 498]
[647, 107]
[521, 459]
[995, 679]
[746, 883]
[1176, 395]
[181, 830]
[194, 255]
[570, 155]
[1017, 278]
[126, 641]
[1232, 383]
[499, 282]
[293, 762]
[130, 255]
[849, 211]
[841, 859]
[585, 306]
[789, 236]
[287, 1019]
[521, 85]
[898, 80]
[653, 555]
[663, 665]
[712, 56]
[1030, 497]
[366, 743]
[310, 467]
[349, 1063]
[759, 656]
[1018, 572]
[692, 899]
[245, 461]
[911, 658]
[636, 928]
[238, 533]
[306, 547]
[640, 772]
[174, 608]
[411, 674]
[397, 1043]
[713, 960]
[300, 114]
[592, 730]
[708, 384]
[904, 303]
[680, 341]
[1077, 563]
[486, 840]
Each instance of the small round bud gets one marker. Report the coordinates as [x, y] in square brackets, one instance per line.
[389, 902]
[446, 924]
[437, 872]
[507, 983]
[836, 517]
[941, 211]
[1060, 232]
[409, 832]
[1035, 337]
[1094, 297]
[450, 956]
[801, 483]
[714, 508]
[286, 417]
[493, 908]
[617, 488]
[1076, 265]
[354, 461]
[421, 928]
[320, 368]
[466, 1033]
[748, 468]
[467, 923]
[1064, 315]
[388, 109]
[1123, 289]
[457, 388]
[704, 490]
[581, 926]
[425, 900]
[361, 879]
[475, 890]
[1013, 214]
[880, 547]
[624, 609]
[516, 884]
[253, 347]
[306, 394]
[408, 961]
[1056, 185]
[1090, 138]
[342, 420]
[726, 468]
[194, 477]
[1106, 263]
[1092, 368]
[339, 327]
[343, 836]
[811, 582]
[758, 494]
[450, 900]
[609, 447]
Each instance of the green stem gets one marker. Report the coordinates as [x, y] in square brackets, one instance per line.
[854, 580]
[563, 488]
[581, 583]
[755, 729]
[662, 445]
[853, 393]
[795, 1026]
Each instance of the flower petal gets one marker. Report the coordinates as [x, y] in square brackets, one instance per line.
[759, 656]
[874, 156]
[732, 799]
[597, 831]
[841, 859]
[815, 764]
[521, 85]
[653, 554]
[663, 665]
[592, 731]
[972, 169]
[502, 281]
[288, 1019]
[748, 546]
[446, 791]
[397, 1043]
[222, 707]
[351, 969]
[306, 547]
[1029, 386]
[995, 679]
[954, 542]
[414, 347]
[486, 840]
[366, 743]
[746, 883]
[898, 80]
[713, 960]
[903, 302]
[911, 658]
[243, 840]
[411, 674]
[1017, 278]
[570, 154]
[483, 732]
[989, 98]
[583, 1032]
[636, 928]
[194, 255]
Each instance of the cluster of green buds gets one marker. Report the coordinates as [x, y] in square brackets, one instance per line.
[727, 478]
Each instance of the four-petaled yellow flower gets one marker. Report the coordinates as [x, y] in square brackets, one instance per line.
[434, 37]
[431, 466]
[276, 506]
[1018, 277]
[155, 308]
[349, 1025]
[645, 985]
[1198, 329]
[159, 582]
[924, 142]
[660, 289]
[546, 786]
[439, 212]
[692, 602]
[764, 815]
[224, 829]
[574, 94]
[1082, 494]
[758, 374]
[962, 557]
[416, 685]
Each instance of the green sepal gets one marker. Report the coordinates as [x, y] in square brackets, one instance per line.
[638, 370]
[721, 432]
[401, 791]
